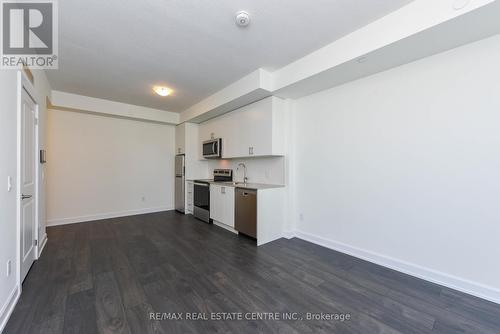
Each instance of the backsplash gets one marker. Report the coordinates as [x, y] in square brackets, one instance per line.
[269, 170]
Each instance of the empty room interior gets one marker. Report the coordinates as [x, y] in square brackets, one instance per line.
[236, 166]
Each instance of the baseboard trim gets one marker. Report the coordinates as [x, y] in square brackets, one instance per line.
[82, 219]
[8, 307]
[224, 226]
[289, 234]
[450, 281]
[42, 244]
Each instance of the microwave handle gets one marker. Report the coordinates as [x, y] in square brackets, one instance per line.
[213, 147]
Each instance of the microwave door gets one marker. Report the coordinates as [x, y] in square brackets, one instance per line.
[209, 149]
[212, 148]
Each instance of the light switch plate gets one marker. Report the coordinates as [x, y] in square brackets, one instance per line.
[9, 183]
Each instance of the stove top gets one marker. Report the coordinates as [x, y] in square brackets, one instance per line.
[223, 175]
[220, 175]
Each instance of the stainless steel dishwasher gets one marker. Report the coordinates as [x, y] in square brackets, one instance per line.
[245, 214]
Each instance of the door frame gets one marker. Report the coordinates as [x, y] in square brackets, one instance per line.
[24, 83]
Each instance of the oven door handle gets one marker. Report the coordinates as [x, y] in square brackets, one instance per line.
[202, 184]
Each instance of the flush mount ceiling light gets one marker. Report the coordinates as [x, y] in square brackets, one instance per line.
[162, 91]
[242, 18]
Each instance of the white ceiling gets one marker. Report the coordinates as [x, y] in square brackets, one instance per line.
[117, 49]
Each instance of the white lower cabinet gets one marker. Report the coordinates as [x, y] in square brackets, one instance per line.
[222, 204]
[189, 197]
[229, 206]
[215, 202]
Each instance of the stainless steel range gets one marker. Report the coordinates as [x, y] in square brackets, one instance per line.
[201, 208]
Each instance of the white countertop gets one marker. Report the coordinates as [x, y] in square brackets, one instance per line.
[249, 185]
[253, 186]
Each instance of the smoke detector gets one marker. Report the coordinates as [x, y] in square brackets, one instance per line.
[460, 4]
[242, 19]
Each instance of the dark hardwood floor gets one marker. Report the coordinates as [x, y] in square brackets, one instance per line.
[109, 276]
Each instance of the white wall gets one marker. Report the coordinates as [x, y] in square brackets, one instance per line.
[43, 90]
[402, 168]
[103, 167]
[8, 167]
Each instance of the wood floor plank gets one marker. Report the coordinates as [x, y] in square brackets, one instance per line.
[80, 315]
[110, 310]
[81, 261]
[110, 276]
[140, 322]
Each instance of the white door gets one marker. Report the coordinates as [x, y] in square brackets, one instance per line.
[28, 181]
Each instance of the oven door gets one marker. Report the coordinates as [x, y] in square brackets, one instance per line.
[202, 196]
[212, 148]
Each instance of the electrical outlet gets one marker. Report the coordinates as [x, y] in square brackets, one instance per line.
[9, 268]
[143, 198]
[301, 217]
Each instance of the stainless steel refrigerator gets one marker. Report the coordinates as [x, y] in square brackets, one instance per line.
[180, 182]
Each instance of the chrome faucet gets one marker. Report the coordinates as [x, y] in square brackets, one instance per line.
[245, 178]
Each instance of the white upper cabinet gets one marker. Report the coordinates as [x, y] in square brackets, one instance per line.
[257, 129]
[187, 143]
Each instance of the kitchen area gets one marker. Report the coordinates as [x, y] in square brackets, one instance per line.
[230, 170]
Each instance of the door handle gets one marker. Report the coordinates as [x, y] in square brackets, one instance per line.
[23, 196]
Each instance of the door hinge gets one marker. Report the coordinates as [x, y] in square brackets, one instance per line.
[36, 121]
[35, 242]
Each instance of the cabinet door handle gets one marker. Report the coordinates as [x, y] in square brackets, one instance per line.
[250, 151]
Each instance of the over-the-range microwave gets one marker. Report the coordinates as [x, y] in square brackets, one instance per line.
[212, 148]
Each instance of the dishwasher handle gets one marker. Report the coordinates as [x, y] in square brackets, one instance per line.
[245, 192]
